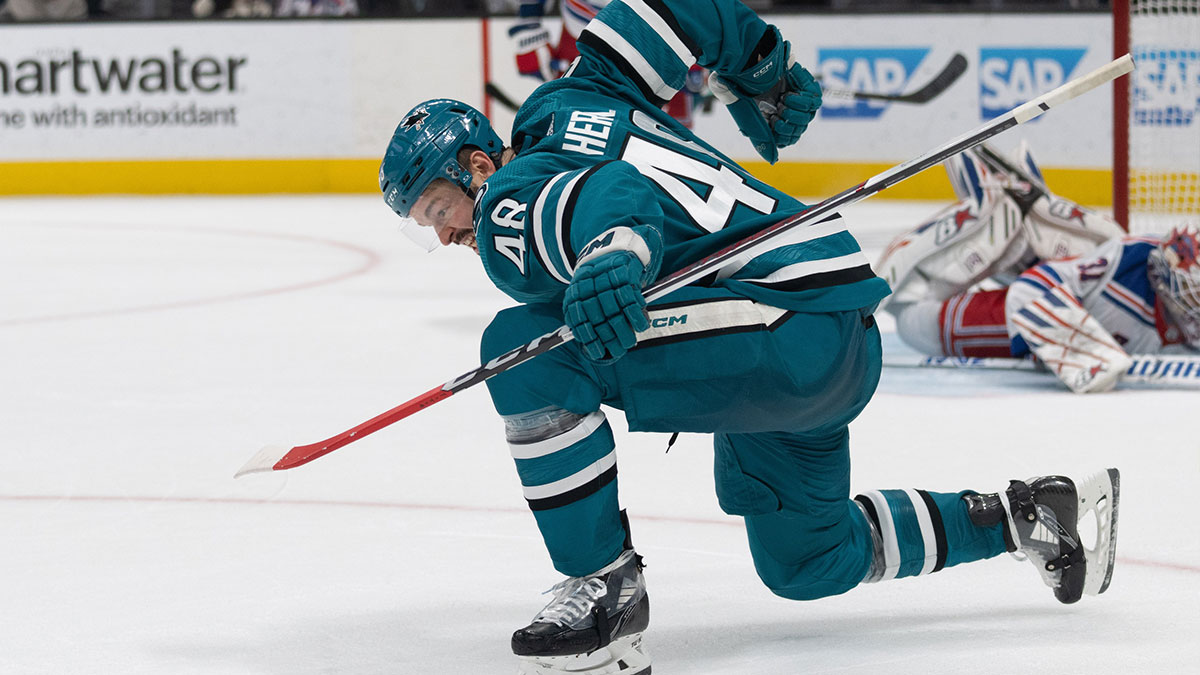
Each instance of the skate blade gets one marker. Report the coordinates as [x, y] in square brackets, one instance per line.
[1099, 497]
[625, 656]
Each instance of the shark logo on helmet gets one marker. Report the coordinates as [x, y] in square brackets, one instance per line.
[416, 120]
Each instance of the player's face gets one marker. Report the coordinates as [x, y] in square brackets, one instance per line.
[445, 208]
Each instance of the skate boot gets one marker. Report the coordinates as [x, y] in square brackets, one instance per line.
[1041, 518]
[593, 625]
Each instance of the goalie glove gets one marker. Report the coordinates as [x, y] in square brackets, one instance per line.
[773, 100]
[603, 305]
[1071, 342]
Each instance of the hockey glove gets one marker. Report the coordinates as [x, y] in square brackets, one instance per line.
[773, 100]
[604, 306]
[1071, 342]
[533, 50]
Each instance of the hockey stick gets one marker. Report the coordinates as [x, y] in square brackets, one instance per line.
[1178, 370]
[940, 83]
[277, 458]
[503, 99]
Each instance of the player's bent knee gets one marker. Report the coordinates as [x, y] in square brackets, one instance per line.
[810, 580]
[801, 561]
[812, 590]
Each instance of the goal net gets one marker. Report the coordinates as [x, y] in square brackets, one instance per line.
[1156, 136]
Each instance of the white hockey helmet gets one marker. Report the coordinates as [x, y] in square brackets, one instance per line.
[1175, 273]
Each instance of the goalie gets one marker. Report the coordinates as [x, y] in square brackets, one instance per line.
[1012, 269]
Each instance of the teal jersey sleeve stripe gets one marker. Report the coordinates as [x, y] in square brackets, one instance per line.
[547, 223]
[663, 24]
[726, 49]
[656, 56]
[653, 43]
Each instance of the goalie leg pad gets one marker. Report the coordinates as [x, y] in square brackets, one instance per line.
[1059, 228]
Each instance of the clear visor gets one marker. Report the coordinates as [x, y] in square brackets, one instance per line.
[425, 237]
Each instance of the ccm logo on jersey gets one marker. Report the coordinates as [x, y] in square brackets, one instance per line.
[866, 69]
[665, 321]
[1010, 76]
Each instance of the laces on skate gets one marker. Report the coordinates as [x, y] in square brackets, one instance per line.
[573, 601]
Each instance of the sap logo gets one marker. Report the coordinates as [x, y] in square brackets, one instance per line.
[1010, 76]
[667, 321]
[869, 70]
[1166, 87]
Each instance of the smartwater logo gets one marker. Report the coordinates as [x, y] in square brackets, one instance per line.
[1166, 87]
[866, 69]
[1010, 76]
[81, 73]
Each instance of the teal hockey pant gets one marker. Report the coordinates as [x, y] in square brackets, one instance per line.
[776, 389]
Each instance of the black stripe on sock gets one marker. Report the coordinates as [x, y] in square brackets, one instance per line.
[939, 529]
[571, 496]
[869, 507]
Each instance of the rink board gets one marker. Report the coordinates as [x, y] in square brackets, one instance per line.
[236, 107]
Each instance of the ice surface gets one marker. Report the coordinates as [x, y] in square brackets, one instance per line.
[151, 346]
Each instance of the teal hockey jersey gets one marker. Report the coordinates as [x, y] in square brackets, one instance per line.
[596, 151]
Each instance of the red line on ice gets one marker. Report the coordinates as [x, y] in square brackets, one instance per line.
[370, 260]
[146, 499]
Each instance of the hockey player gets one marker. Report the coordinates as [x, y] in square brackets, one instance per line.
[599, 193]
[1073, 290]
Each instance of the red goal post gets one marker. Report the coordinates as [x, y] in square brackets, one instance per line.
[1156, 114]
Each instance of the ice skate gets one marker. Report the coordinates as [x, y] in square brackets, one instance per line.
[1041, 519]
[593, 625]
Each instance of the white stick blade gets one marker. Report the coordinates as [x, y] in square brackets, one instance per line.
[1102, 75]
[265, 460]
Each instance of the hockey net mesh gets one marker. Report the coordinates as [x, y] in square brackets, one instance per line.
[1164, 111]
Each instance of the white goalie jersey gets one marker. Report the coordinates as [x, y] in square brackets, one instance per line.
[1112, 285]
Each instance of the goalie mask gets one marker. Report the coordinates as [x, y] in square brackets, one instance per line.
[1175, 274]
[424, 148]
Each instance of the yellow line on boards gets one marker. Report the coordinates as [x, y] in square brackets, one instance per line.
[222, 176]
[265, 176]
[1091, 187]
